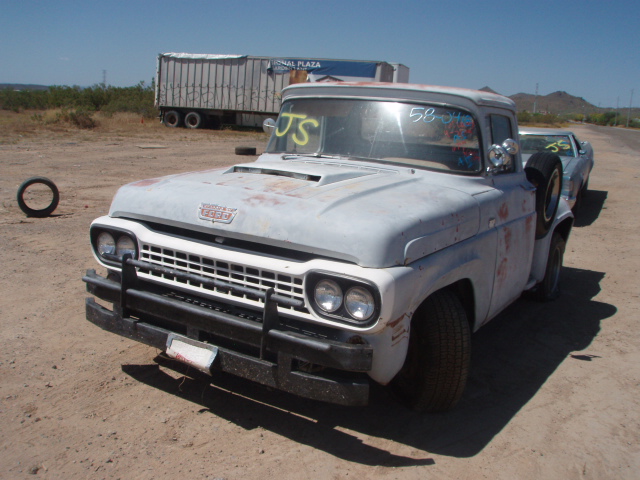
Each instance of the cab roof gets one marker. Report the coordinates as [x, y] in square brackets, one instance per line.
[480, 98]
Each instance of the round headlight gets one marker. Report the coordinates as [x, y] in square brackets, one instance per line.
[126, 245]
[359, 303]
[105, 245]
[328, 295]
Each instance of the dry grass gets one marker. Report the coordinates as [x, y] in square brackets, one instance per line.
[16, 128]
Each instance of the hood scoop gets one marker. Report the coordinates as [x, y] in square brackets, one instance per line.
[279, 173]
[312, 172]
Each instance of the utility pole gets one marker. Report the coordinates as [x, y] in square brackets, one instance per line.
[104, 78]
[629, 112]
[615, 123]
[535, 100]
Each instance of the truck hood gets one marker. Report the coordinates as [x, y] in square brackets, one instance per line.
[372, 216]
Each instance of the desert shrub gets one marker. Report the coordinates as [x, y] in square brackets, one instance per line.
[138, 99]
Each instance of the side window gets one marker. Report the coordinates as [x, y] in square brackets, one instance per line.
[500, 129]
[578, 145]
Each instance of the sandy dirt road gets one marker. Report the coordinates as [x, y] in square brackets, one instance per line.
[554, 390]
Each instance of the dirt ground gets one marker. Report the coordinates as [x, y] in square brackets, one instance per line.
[554, 390]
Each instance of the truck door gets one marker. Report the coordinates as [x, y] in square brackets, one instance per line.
[513, 216]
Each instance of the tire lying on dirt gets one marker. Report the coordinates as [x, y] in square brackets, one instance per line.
[435, 371]
[193, 120]
[40, 203]
[544, 170]
[172, 118]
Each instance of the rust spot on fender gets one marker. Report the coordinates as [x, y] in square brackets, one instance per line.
[399, 335]
[264, 200]
[528, 224]
[146, 183]
[396, 321]
[501, 272]
[507, 239]
[503, 213]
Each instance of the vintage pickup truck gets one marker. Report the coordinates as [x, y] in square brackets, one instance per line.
[382, 226]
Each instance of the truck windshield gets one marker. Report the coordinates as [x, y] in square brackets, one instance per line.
[416, 135]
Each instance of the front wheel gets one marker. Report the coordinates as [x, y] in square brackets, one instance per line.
[435, 371]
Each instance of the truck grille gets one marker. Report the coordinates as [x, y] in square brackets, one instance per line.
[228, 272]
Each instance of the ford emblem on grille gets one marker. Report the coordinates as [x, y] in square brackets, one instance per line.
[216, 213]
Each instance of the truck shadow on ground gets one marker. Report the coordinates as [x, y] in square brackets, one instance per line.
[513, 356]
[592, 205]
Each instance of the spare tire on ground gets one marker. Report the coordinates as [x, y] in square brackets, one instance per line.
[544, 170]
[39, 201]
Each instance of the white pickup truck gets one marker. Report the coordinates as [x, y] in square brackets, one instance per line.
[382, 226]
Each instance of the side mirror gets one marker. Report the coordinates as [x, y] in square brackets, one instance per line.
[501, 156]
[269, 125]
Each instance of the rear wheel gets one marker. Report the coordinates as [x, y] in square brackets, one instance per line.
[549, 288]
[193, 120]
[435, 371]
[544, 170]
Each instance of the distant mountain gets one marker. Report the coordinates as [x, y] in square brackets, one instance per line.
[22, 86]
[556, 102]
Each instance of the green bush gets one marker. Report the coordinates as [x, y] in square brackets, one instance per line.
[99, 98]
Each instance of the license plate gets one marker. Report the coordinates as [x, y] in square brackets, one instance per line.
[191, 352]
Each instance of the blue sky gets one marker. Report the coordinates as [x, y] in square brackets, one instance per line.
[590, 49]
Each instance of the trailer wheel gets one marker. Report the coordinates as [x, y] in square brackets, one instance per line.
[544, 170]
[435, 371]
[172, 118]
[38, 202]
[193, 120]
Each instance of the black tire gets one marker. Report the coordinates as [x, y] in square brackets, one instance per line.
[549, 288]
[38, 212]
[246, 150]
[544, 170]
[193, 120]
[435, 371]
[172, 118]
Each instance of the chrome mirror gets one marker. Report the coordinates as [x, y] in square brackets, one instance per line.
[269, 125]
[511, 146]
[501, 156]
